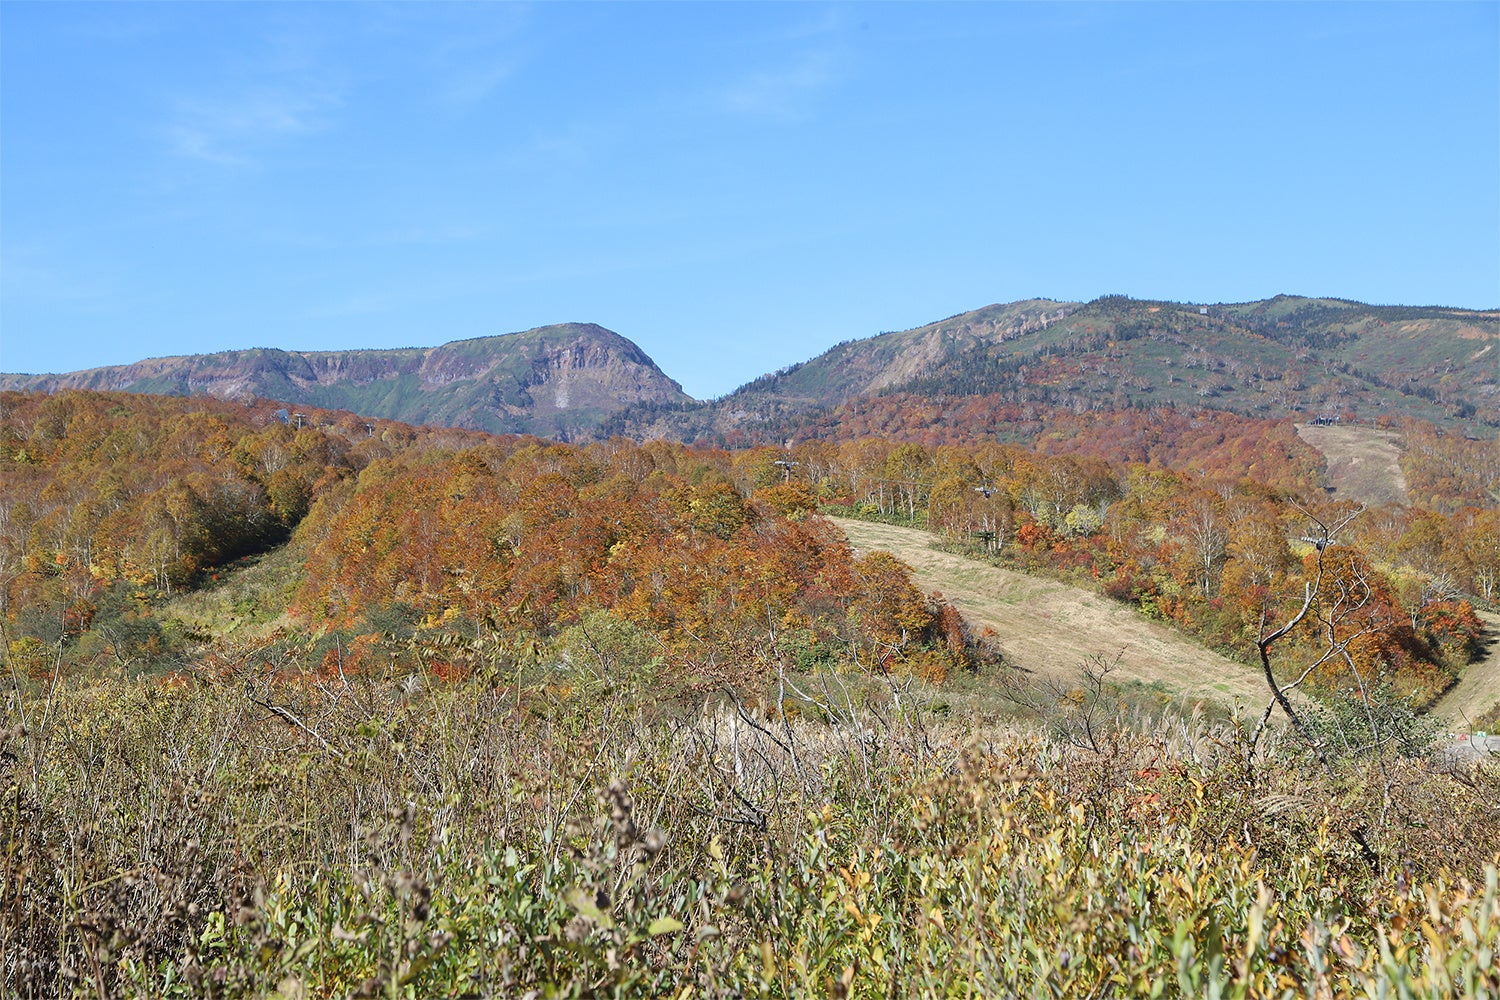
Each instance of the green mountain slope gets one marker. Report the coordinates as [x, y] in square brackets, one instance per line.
[1287, 356]
[1284, 356]
[861, 367]
[1305, 358]
[557, 381]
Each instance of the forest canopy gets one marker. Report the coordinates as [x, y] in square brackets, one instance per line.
[715, 562]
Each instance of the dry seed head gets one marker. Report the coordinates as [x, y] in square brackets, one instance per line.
[622, 813]
[653, 843]
[577, 929]
[407, 823]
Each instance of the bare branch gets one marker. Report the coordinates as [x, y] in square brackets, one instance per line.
[286, 716]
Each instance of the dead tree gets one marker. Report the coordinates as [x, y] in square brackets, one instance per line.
[1335, 602]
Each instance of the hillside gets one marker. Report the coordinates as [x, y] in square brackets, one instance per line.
[555, 381]
[1477, 693]
[116, 502]
[340, 597]
[632, 717]
[1363, 462]
[877, 364]
[477, 634]
[1283, 357]
[1280, 357]
[1047, 627]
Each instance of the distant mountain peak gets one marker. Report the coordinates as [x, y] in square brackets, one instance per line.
[559, 380]
[1286, 356]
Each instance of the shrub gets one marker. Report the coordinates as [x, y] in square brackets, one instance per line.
[374, 838]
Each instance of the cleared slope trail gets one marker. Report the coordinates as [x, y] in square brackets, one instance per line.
[1049, 627]
[1363, 463]
[1478, 690]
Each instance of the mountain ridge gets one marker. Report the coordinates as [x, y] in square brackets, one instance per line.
[556, 380]
[1286, 356]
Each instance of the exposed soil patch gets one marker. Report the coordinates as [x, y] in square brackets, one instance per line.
[1363, 463]
[1049, 628]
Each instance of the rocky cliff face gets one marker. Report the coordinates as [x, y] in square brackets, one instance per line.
[1289, 356]
[1285, 356]
[559, 381]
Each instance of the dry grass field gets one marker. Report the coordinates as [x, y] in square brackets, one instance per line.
[1362, 461]
[1050, 627]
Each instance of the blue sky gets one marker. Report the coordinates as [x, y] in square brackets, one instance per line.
[735, 187]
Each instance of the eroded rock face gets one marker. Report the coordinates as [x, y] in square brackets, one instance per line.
[557, 380]
[1276, 357]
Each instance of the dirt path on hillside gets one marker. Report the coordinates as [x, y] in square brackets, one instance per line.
[1363, 463]
[1050, 627]
[1478, 690]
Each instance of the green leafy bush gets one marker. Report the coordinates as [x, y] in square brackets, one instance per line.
[370, 837]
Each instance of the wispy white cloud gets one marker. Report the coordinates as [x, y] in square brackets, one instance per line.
[812, 58]
[466, 53]
[786, 91]
[234, 129]
[570, 143]
[470, 85]
[285, 80]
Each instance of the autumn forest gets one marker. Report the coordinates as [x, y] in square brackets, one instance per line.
[394, 600]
